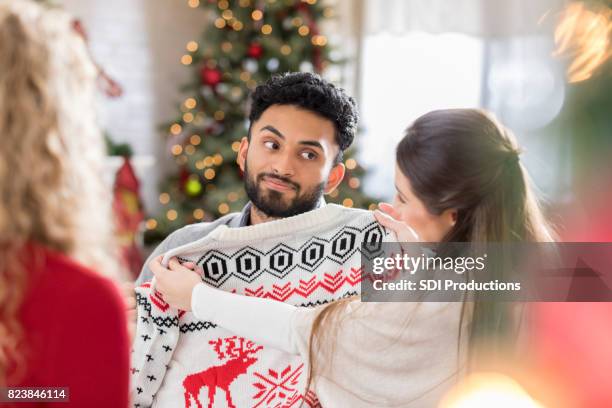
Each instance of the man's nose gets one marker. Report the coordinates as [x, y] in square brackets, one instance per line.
[284, 166]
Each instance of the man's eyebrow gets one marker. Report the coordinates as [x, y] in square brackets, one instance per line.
[277, 132]
[312, 143]
[273, 130]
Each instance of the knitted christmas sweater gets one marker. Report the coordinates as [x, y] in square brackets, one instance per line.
[306, 260]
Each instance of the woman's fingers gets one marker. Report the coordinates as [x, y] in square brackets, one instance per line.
[387, 221]
[402, 231]
[176, 266]
[390, 210]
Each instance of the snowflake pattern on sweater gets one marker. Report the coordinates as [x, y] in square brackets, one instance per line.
[307, 260]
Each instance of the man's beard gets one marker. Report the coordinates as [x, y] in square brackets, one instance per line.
[272, 203]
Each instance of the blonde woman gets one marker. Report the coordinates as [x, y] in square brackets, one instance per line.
[458, 179]
[61, 323]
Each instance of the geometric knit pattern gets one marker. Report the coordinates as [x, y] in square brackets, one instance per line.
[306, 260]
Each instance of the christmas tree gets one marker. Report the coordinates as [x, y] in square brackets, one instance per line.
[249, 41]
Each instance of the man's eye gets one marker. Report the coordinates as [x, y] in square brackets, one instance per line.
[271, 145]
[309, 155]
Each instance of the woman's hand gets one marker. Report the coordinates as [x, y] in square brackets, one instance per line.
[175, 283]
[389, 218]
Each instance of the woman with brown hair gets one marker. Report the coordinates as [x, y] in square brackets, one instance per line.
[458, 179]
[61, 323]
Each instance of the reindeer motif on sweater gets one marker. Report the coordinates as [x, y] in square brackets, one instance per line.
[306, 260]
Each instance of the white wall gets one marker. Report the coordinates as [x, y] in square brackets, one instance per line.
[139, 43]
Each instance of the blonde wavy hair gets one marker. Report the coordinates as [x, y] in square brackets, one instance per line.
[51, 159]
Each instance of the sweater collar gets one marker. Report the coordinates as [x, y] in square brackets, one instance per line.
[308, 220]
[244, 217]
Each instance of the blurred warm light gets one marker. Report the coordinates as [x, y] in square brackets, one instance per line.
[223, 208]
[177, 149]
[347, 202]
[164, 198]
[584, 36]
[236, 146]
[195, 140]
[219, 115]
[175, 129]
[238, 26]
[190, 103]
[319, 40]
[233, 196]
[354, 182]
[351, 164]
[151, 224]
[227, 14]
[198, 213]
[372, 207]
[192, 46]
[219, 23]
[209, 174]
[236, 92]
[193, 3]
[303, 30]
[285, 49]
[199, 165]
[171, 215]
[208, 161]
[188, 117]
[334, 194]
[257, 15]
[266, 29]
[186, 59]
[223, 4]
[226, 46]
[189, 150]
[485, 390]
[217, 159]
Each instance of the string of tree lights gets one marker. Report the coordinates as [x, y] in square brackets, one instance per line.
[246, 41]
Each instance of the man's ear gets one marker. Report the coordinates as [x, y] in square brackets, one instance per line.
[335, 178]
[242, 153]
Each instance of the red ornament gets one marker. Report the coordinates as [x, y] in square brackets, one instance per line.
[183, 177]
[210, 76]
[129, 213]
[255, 51]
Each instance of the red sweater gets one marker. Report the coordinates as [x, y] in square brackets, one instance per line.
[75, 327]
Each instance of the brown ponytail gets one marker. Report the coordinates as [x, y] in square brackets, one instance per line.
[462, 159]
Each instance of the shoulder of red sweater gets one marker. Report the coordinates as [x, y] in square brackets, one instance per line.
[54, 270]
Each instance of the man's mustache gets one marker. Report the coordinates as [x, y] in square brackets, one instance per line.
[285, 180]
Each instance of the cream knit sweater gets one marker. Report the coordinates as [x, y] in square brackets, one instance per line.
[306, 260]
[384, 354]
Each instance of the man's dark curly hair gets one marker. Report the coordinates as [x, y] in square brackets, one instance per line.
[309, 91]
